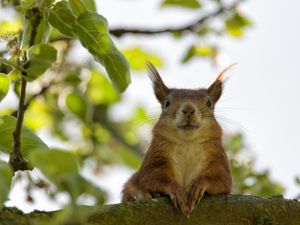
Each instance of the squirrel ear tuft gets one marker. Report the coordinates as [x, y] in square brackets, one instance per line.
[160, 89]
[215, 90]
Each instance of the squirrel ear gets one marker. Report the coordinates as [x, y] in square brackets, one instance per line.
[160, 89]
[215, 90]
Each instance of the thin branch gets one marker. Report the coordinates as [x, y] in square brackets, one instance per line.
[192, 27]
[16, 159]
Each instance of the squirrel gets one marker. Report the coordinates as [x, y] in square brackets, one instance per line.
[186, 157]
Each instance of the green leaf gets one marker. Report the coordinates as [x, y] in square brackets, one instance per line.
[27, 28]
[190, 53]
[78, 105]
[62, 18]
[192, 4]
[4, 85]
[90, 4]
[117, 69]
[201, 50]
[236, 24]
[40, 58]
[61, 168]
[93, 34]
[10, 27]
[27, 4]
[38, 115]
[5, 181]
[14, 75]
[100, 90]
[56, 165]
[206, 51]
[81, 6]
[78, 7]
[43, 30]
[29, 140]
[137, 57]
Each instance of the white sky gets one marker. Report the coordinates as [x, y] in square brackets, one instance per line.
[261, 95]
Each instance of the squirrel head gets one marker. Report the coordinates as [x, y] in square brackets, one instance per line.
[187, 114]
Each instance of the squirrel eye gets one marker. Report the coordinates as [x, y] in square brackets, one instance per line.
[209, 103]
[167, 103]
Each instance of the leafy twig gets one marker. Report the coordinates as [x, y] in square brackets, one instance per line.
[16, 159]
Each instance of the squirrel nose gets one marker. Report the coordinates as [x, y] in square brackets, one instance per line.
[188, 110]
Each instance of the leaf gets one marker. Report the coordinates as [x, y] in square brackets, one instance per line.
[78, 105]
[29, 140]
[201, 50]
[100, 90]
[189, 54]
[27, 4]
[62, 18]
[27, 28]
[38, 115]
[137, 58]
[10, 27]
[206, 51]
[117, 69]
[236, 24]
[192, 4]
[5, 181]
[61, 168]
[4, 85]
[93, 34]
[40, 58]
[91, 5]
[43, 30]
[78, 7]
[56, 165]
[81, 6]
[14, 75]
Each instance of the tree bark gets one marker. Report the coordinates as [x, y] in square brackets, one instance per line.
[212, 210]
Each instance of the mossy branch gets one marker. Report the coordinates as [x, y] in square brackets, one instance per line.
[212, 210]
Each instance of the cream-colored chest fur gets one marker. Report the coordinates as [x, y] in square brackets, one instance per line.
[188, 161]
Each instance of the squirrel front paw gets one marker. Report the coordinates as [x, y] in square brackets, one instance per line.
[195, 195]
[179, 198]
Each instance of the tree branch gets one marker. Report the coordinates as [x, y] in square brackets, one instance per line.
[218, 209]
[192, 27]
[16, 159]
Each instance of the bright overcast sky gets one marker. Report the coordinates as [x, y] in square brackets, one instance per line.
[262, 94]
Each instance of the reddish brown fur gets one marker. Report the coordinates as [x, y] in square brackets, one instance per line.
[198, 145]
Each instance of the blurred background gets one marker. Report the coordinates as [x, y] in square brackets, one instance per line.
[75, 108]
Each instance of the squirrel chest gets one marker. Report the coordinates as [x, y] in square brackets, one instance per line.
[188, 161]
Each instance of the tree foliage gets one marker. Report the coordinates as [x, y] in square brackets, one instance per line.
[74, 99]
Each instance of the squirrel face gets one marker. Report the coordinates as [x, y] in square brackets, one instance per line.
[187, 114]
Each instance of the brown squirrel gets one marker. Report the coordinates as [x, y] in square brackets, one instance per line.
[186, 158]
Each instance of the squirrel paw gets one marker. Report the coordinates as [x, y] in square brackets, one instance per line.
[195, 195]
[180, 200]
